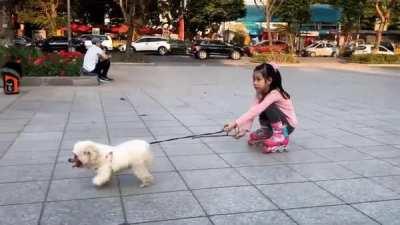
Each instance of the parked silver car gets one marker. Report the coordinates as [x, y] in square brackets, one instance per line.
[320, 48]
[149, 43]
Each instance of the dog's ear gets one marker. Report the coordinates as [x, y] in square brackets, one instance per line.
[109, 156]
[92, 152]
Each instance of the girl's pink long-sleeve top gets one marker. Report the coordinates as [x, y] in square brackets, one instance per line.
[245, 121]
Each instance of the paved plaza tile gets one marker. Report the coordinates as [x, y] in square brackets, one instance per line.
[391, 182]
[343, 164]
[161, 206]
[166, 182]
[22, 193]
[296, 195]
[324, 171]
[81, 188]
[103, 211]
[258, 218]
[198, 162]
[20, 173]
[20, 214]
[191, 221]
[358, 190]
[233, 200]
[212, 178]
[343, 214]
[386, 212]
[271, 174]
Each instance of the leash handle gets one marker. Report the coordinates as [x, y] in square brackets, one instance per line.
[194, 136]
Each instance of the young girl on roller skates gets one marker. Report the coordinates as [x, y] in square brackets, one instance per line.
[275, 110]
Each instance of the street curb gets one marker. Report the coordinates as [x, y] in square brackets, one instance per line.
[131, 63]
[385, 65]
[59, 81]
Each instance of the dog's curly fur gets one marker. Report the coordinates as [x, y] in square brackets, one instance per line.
[106, 160]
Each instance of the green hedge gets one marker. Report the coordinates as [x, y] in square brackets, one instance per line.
[375, 59]
[274, 57]
[25, 54]
[35, 63]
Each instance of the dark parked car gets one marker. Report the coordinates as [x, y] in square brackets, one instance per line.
[23, 41]
[55, 44]
[179, 47]
[203, 49]
[61, 43]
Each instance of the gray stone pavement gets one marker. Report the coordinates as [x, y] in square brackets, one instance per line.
[343, 166]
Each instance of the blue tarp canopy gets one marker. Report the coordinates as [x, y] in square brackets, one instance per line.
[320, 13]
[253, 14]
[324, 13]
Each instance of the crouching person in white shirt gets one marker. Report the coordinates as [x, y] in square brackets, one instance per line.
[97, 61]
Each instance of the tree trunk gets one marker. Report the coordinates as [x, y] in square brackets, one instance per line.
[52, 18]
[269, 30]
[268, 20]
[384, 18]
[378, 38]
[50, 11]
[131, 31]
[128, 9]
[131, 22]
[7, 32]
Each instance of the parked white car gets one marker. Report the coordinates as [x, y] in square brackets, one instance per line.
[321, 49]
[149, 43]
[106, 40]
[368, 49]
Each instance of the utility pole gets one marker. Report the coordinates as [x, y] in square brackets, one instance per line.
[181, 23]
[69, 24]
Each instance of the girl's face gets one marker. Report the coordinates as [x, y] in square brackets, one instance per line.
[260, 84]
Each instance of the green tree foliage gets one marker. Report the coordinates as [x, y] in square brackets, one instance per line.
[352, 13]
[6, 33]
[378, 15]
[43, 13]
[295, 13]
[270, 7]
[201, 14]
[362, 14]
[170, 9]
[384, 10]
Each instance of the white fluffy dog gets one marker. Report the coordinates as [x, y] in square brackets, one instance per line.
[106, 160]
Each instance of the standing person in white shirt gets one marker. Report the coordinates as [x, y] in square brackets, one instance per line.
[97, 61]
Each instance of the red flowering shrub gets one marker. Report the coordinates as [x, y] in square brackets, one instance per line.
[36, 63]
[40, 60]
[62, 63]
[70, 55]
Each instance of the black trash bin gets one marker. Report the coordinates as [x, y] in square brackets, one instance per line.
[11, 81]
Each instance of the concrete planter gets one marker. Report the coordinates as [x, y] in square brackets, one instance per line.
[60, 81]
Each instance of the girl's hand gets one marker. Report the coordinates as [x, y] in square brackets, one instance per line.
[230, 126]
[239, 134]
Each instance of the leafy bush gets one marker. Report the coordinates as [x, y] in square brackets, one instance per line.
[274, 57]
[25, 54]
[3, 55]
[35, 63]
[375, 59]
[73, 68]
[239, 39]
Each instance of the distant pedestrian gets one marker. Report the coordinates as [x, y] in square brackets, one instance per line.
[14, 63]
[97, 61]
[273, 106]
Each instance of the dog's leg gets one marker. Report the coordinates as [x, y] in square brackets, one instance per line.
[103, 175]
[143, 174]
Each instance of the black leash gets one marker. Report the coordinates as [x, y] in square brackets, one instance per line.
[194, 136]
